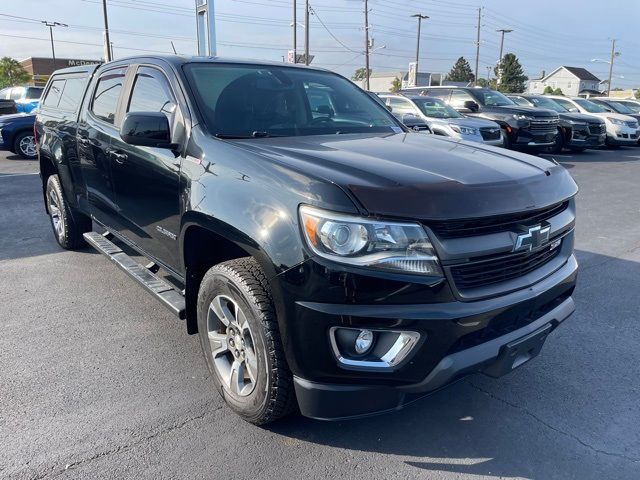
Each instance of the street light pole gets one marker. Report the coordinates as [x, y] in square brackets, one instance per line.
[107, 42]
[306, 32]
[503, 31]
[420, 17]
[475, 81]
[53, 48]
[366, 45]
[614, 54]
[295, 32]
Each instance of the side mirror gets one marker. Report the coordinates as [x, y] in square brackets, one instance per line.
[389, 108]
[471, 106]
[146, 129]
[574, 110]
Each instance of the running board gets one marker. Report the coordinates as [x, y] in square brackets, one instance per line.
[160, 289]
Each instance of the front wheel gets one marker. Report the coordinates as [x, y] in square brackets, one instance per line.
[241, 342]
[68, 226]
[558, 145]
[25, 145]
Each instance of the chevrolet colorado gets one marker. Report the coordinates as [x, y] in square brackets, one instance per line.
[328, 258]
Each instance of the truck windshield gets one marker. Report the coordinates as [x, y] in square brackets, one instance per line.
[490, 98]
[589, 106]
[249, 101]
[434, 108]
[542, 102]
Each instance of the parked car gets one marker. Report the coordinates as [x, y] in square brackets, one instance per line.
[522, 127]
[26, 98]
[621, 129]
[16, 134]
[325, 255]
[577, 131]
[612, 105]
[441, 119]
[415, 124]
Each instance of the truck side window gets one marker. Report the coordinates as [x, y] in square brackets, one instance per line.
[458, 97]
[54, 93]
[72, 94]
[151, 93]
[105, 98]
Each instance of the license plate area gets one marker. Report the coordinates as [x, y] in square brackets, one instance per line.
[518, 352]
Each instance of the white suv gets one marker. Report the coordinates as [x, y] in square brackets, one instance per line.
[621, 129]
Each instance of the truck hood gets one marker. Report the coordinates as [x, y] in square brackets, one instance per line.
[577, 117]
[419, 176]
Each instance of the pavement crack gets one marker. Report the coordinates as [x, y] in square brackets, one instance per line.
[55, 472]
[551, 427]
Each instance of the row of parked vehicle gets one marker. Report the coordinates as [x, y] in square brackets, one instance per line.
[542, 123]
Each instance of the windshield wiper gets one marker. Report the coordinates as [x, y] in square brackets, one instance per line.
[256, 134]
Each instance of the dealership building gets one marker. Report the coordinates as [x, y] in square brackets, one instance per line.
[40, 68]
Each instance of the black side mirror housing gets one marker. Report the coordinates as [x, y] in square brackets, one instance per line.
[471, 106]
[146, 129]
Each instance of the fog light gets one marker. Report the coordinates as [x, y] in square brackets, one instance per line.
[363, 342]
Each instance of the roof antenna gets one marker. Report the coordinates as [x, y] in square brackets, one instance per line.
[174, 48]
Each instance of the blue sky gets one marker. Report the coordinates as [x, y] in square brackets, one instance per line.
[546, 33]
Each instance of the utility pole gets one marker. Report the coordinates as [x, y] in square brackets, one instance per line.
[306, 32]
[107, 42]
[488, 73]
[503, 31]
[366, 45]
[475, 81]
[53, 48]
[295, 32]
[420, 17]
[614, 54]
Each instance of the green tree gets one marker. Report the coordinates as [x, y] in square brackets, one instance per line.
[558, 91]
[547, 90]
[638, 94]
[511, 74]
[461, 72]
[360, 74]
[12, 73]
[396, 85]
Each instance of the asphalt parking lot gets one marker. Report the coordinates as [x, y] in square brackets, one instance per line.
[97, 380]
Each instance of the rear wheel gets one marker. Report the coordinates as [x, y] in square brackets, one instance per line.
[25, 145]
[241, 342]
[68, 226]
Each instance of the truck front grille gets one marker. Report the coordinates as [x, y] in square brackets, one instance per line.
[490, 133]
[484, 226]
[597, 128]
[501, 268]
[543, 126]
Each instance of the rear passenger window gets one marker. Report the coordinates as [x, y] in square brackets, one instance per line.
[151, 93]
[54, 93]
[72, 94]
[105, 97]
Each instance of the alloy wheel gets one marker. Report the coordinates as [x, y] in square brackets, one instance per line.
[27, 146]
[232, 346]
[55, 211]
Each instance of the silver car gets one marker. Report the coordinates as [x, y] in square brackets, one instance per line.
[443, 119]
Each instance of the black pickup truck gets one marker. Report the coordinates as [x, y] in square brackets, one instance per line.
[328, 258]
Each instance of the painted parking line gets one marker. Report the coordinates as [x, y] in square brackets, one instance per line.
[7, 175]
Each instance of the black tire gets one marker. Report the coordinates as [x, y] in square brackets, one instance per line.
[559, 145]
[608, 143]
[24, 145]
[506, 140]
[67, 226]
[272, 396]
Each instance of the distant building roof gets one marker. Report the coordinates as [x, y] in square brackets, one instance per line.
[582, 73]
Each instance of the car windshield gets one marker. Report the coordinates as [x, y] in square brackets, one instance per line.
[620, 108]
[589, 106]
[491, 98]
[634, 107]
[434, 108]
[245, 101]
[542, 102]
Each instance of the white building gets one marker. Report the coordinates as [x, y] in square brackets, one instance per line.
[573, 81]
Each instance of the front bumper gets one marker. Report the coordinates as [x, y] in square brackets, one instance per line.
[523, 137]
[454, 345]
[623, 136]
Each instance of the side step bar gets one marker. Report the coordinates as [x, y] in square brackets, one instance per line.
[160, 289]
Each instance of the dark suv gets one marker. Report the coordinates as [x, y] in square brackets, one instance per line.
[523, 127]
[577, 130]
[327, 257]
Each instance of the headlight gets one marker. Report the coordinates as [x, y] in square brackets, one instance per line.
[379, 244]
[615, 121]
[463, 130]
[521, 116]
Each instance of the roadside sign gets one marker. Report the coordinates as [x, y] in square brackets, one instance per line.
[413, 74]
